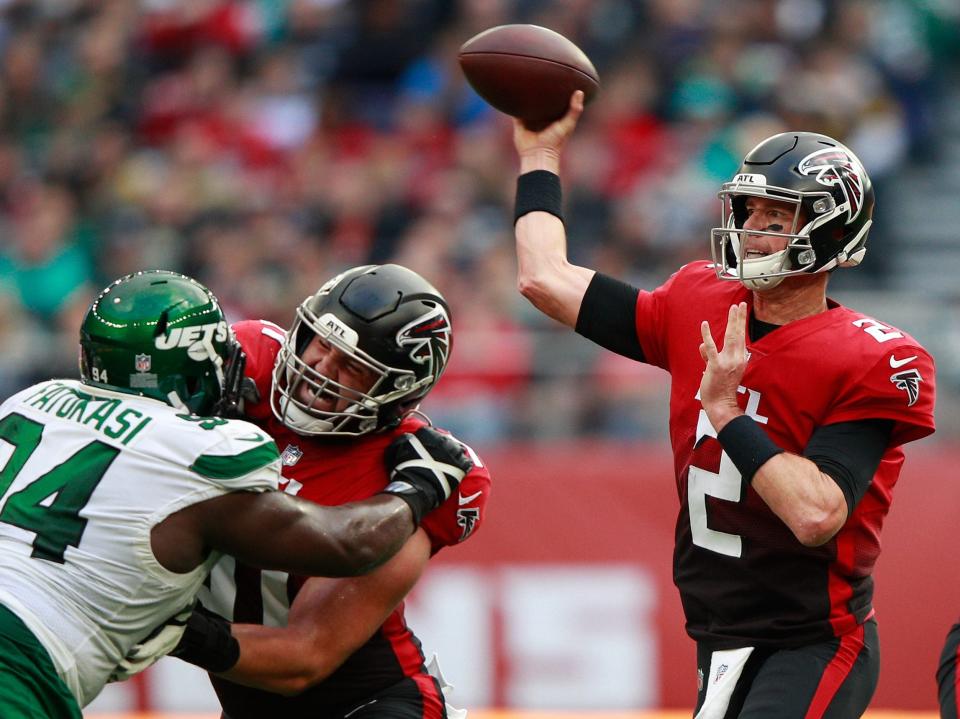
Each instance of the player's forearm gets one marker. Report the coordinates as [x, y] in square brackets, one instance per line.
[329, 621]
[358, 541]
[280, 660]
[809, 502]
[540, 158]
[546, 278]
[305, 538]
[313, 540]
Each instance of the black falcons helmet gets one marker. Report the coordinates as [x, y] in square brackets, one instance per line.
[831, 188]
[388, 319]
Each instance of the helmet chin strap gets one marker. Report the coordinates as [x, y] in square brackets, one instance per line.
[760, 284]
[760, 280]
[300, 420]
[761, 273]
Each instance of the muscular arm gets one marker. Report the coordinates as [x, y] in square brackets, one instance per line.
[845, 455]
[276, 531]
[808, 501]
[273, 530]
[329, 621]
[546, 278]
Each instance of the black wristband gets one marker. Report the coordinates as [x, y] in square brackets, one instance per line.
[747, 445]
[208, 642]
[419, 504]
[538, 190]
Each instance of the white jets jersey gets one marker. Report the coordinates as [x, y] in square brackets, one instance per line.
[85, 474]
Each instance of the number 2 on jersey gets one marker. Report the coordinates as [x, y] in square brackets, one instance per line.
[723, 484]
[57, 523]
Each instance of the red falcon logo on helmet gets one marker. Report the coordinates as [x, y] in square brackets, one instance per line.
[427, 334]
[834, 166]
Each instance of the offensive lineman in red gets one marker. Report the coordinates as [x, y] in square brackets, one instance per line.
[334, 392]
[788, 412]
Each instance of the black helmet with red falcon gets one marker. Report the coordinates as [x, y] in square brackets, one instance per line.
[827, 183]
[388, 319]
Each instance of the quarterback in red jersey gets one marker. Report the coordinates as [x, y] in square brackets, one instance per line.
[788, 413]
[335, 392]
[947, 676]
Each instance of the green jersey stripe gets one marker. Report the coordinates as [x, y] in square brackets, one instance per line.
[218, 466]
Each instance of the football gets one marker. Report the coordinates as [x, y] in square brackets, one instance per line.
[527, 71]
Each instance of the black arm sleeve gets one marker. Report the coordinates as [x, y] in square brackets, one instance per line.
[850, 452]
[607, 316]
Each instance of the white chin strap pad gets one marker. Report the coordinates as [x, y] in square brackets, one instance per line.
[760, 273]
[302, 421]
[758, 284]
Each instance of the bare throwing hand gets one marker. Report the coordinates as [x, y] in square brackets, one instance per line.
[725, 367]
[541, 150]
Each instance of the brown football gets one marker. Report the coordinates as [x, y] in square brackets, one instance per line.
[527, 71]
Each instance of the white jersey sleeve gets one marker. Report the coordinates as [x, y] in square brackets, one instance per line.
[85, 474]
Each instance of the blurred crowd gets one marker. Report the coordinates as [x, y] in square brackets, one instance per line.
[264, 145]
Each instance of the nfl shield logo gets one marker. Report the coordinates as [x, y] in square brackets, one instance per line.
[142, 363]
[291, 455]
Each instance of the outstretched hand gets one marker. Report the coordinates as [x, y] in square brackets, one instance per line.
[725, 367]
[541, 150]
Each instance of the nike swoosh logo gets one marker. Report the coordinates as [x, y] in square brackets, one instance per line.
[461, 500]
[248, 438]
[895, 363]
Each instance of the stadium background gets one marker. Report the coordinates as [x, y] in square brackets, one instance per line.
[264, 145]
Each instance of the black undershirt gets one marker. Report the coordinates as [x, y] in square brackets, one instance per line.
[849, 452]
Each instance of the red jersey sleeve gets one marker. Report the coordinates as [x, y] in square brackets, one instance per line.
[900, 386]
[463, 513]
[655, 309]
[261, 341]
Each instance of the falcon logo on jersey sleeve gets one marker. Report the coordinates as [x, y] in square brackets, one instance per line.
[467, 519]
[908, 381]
[834, 167]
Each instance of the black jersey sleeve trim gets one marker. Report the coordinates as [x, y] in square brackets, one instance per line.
[607, 316]
[850, 453]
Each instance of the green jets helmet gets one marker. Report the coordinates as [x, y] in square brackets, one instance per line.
[162, 335]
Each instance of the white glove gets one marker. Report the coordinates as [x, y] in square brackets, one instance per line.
[152, 647]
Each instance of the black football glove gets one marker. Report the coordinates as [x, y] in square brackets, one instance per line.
[425, 469]
[207, 642]
[238, 389]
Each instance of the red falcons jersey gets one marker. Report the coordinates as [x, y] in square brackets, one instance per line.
[744, 578]
[331, 471]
